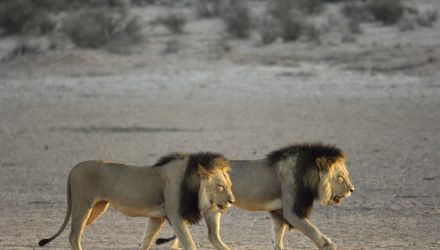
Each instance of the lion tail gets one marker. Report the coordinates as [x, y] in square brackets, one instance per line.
[161, 241]
[66, 219]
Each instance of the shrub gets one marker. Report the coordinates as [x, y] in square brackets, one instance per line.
[238, 20]
[310, 6]
[100, 27]
[312, 33]
[208, 8]
[291, 27]
[174, 22]
[427, 18]
[290, 21]
[51, 5]
[22, 16]
[407, 24]
[354, 10]
[269, 30]
[386, 11]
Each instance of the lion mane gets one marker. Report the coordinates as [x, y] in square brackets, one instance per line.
[189, 188]
[311, 182]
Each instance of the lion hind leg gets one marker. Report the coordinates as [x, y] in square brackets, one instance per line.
[279, 228]
[80, 216]
[98, 209]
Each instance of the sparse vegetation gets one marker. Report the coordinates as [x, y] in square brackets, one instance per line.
[238, 20]
[174, 22]
[99, 27]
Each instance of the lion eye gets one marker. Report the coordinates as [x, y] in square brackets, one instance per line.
[340, 179]
[220, 188]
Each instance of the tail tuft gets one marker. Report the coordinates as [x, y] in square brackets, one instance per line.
[161, 241]
[43, 242]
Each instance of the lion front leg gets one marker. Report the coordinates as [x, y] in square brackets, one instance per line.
[307, 228]
[180, 227]
[304, 225]
[153, 228]
[212, 219]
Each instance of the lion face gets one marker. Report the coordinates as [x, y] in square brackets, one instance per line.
[216, 191]
[335, 184]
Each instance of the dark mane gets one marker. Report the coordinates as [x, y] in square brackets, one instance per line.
[169, 158]
[306, 169]
[189, 188]
[311, 150]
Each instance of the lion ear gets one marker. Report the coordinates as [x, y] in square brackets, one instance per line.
[203, 172]
[323, 163]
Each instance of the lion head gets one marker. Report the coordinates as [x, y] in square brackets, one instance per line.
[319, 174]
[206, 186]
[334, 181]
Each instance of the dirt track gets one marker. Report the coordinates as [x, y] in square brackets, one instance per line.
[134, 109]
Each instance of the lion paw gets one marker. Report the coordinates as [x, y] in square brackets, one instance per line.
[279, 248]
[328, 246]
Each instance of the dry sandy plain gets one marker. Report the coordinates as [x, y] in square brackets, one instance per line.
[377, 98]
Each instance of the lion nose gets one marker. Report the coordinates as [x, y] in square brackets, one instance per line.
[351, 189]
[231, 200]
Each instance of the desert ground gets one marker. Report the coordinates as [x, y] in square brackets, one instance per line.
[377, 98]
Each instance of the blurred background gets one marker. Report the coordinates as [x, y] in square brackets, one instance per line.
[129, 81]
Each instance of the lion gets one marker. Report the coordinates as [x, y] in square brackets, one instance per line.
[286, 183]
[179, 188]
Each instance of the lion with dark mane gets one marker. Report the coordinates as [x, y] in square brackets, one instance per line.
[180, 188]
[286, 183]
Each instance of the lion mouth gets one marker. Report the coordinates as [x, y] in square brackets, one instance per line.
[223, 208]
[338, 198]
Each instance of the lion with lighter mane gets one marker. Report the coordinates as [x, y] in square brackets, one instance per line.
[180, 188]
[286, 183]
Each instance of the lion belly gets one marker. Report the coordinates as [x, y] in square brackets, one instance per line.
[146, 211]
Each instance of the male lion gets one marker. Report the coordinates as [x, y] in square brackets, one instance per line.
[178, 188]
[286, 183]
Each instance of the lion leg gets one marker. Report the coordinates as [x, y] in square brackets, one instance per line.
[175, 244]
[79, 219]
[279, 228]
[303, 224]
[180, 227]
[153, 228]
[213, 222]
[98, 209]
